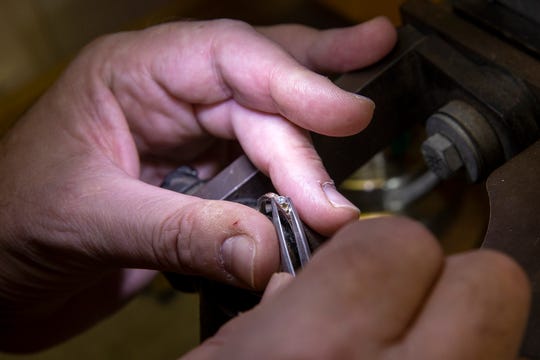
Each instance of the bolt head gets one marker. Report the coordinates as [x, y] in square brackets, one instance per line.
[441, 156]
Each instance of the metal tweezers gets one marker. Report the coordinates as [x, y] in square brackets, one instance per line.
[293, 242]
[242, 182]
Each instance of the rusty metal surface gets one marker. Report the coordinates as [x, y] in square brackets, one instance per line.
[527, 8]
[440, 19]
[421, 75]
[513, 187]
[514, 227]
[504, 19]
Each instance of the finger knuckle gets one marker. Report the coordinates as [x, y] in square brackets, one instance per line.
[172, 240]
[393, 237]
[232, 25]
[417, 243]
[505, 271]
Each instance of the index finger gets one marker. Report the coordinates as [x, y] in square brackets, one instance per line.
[267, 78]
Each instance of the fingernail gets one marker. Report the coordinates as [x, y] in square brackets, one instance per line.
[238, 254]
[365, 98]
[335, 198]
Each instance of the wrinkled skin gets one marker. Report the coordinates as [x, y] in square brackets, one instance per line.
[84, 227]
[381, 289]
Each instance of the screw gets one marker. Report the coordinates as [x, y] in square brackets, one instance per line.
[441, 156]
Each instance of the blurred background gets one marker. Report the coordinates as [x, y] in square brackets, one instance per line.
[39, 37]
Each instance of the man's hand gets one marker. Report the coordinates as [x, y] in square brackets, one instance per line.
[381, 289]
[78, 201]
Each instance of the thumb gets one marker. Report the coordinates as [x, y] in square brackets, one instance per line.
[142, 226]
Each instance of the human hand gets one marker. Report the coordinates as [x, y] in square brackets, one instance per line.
[381, 289]
[78, 201]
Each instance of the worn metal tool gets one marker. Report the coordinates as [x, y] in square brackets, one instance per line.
[293, 243]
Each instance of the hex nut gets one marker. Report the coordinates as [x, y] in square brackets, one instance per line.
[441, 156]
